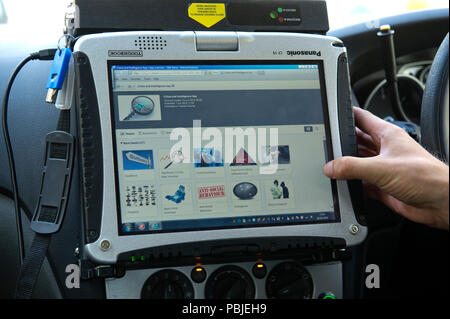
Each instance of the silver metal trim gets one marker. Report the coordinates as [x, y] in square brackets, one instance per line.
[217, 41]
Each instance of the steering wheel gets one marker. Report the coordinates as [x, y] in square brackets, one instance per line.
[435, 106]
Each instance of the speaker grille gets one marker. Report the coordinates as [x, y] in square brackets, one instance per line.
[150, 43]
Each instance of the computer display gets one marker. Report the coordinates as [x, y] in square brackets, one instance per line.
[211, 146]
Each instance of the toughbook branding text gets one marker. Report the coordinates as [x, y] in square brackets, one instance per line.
[126, 53]
[316, 53]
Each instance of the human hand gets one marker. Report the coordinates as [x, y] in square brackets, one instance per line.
[397, 171]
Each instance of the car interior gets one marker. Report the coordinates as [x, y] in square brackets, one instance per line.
[395, 67]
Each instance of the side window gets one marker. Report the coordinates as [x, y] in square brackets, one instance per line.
[3, 15]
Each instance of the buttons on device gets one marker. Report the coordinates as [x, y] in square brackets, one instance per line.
[230, 282]
[272, 279]
[289, 280]
[198, 274]
[167, 284]
[259, 270]
[326, 296]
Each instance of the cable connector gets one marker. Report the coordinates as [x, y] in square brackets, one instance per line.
[66, 95]
[57, 73]
[44, 55]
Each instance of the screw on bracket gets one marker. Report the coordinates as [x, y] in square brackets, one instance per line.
[105, 245]
[354, 229]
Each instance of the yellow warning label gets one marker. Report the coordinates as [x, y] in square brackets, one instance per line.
[207, 14]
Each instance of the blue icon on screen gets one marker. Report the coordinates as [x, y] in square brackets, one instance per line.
[137, 160]
[127, 227]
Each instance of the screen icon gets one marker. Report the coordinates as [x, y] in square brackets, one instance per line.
[139, 108]
[137, 160]
[141, 226]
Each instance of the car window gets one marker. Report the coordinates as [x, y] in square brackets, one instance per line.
[30, 23]
[343, 13]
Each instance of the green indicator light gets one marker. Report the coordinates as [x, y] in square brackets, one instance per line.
[142, 258]
[133, 259]
[273, 15]
[329, 297]
[280, 10]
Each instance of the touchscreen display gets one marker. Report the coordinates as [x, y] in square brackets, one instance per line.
[213, 146]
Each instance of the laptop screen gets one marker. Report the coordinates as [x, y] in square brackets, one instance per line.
[220, 145]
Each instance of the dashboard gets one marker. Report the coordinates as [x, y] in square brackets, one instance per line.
[417, 39]
[412, 80]
[285, 279]
[414, 60]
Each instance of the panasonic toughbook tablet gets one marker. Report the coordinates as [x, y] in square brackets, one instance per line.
[188, 137]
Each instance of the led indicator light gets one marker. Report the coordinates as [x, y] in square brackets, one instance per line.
[329, 297]
[259, 265]
[273, 15]
[133, 259]
[280, 10]
[142, 257]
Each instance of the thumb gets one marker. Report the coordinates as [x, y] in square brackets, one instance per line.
[352, 168]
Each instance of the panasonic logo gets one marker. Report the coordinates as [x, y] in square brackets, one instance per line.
[127, 53]
[316, 53]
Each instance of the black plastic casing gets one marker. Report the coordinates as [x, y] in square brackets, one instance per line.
[55, 185]
[172, 15]
[90, 147]
[348, 135]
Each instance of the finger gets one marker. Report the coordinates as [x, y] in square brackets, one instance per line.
[366, 152]
[372, 192]
[366, 169]
[366, 140]
[369, 123]
[414, 214]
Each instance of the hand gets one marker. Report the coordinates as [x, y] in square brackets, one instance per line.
[397, 171]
